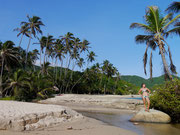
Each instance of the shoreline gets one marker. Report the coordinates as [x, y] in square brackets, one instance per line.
[79, 126]
[85, 126]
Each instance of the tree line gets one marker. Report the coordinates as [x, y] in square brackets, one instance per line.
[57, 72]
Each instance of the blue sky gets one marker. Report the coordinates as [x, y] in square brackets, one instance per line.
[105, 23]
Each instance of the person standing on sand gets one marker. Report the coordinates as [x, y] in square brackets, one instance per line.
[145, 95]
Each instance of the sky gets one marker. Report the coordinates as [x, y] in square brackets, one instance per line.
[104, 23]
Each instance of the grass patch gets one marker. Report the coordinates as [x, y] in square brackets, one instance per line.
[7, 98]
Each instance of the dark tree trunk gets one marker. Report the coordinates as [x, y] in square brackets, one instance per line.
[164, 61]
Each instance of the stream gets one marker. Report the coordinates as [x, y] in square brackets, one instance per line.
[122, 121]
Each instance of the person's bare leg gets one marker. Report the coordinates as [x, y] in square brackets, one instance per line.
[148, 101]
[144, 101]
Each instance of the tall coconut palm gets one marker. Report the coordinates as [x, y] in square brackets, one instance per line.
[34, 57]
[174, 7]
[42, 43]
[23, 30]
[68, 45]
[9, 58]
[85, 45]
[49, 40]
[34, 26]
[158, 28]
[59, 50]
[91, 56]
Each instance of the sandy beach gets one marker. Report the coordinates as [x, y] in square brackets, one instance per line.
[98, 103]
[69, 123]
[86, 126]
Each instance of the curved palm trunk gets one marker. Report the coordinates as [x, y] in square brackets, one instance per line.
[79, 78]
[70, 78]
[164, 61]
[2, 68]
[40, 56]
[21, 40]
[28, 48]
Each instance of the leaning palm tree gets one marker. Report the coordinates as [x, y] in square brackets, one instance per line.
[23, 30]
[34, 26]
[158, 28]
[9, 58]
[174, 7]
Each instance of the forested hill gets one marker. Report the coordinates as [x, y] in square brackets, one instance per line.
[137, 80]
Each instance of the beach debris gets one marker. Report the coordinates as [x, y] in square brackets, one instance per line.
[69, 128]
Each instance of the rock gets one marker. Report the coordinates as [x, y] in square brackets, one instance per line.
[153, 116]
[20, 116]
[69, 128]
[136, 123]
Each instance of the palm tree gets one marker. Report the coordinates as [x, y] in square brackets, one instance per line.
[34, 26]
[42, 43]
[16, 81]
[91, 56]
[9, 58]
[109, 70]
[174, 7]
[84, 45]
[59, 54]
[68, 45]
[23, 30]
[45, 68]
[157, 28]
[34, 57]
[49, 40]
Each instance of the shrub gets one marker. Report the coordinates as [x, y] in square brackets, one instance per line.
[167, 99]
[24, 94]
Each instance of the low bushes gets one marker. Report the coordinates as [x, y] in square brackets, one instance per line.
[167, 99]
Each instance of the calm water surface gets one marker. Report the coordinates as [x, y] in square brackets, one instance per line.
[122, 121]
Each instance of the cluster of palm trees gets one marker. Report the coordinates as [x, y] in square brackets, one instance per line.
[104, 78]
[157, 29]
[59, 58]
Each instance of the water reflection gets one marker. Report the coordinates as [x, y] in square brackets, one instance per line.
[122, 121]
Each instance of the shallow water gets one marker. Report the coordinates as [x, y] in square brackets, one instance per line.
[122, 121]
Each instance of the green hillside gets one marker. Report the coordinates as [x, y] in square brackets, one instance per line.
[137, 80]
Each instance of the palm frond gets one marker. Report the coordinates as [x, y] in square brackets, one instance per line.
[173, 31]
[174, 7]
[177, 24]
[166, 19]
[174, 20]
[172, 66]
[154, 16]
[152, 44]
[142, 26]
[143, 38]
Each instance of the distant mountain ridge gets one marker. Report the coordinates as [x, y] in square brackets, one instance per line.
[137, 80]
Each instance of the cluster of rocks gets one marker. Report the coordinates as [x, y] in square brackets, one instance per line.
[21, 116]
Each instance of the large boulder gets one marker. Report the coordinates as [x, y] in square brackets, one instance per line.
[153, 116]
